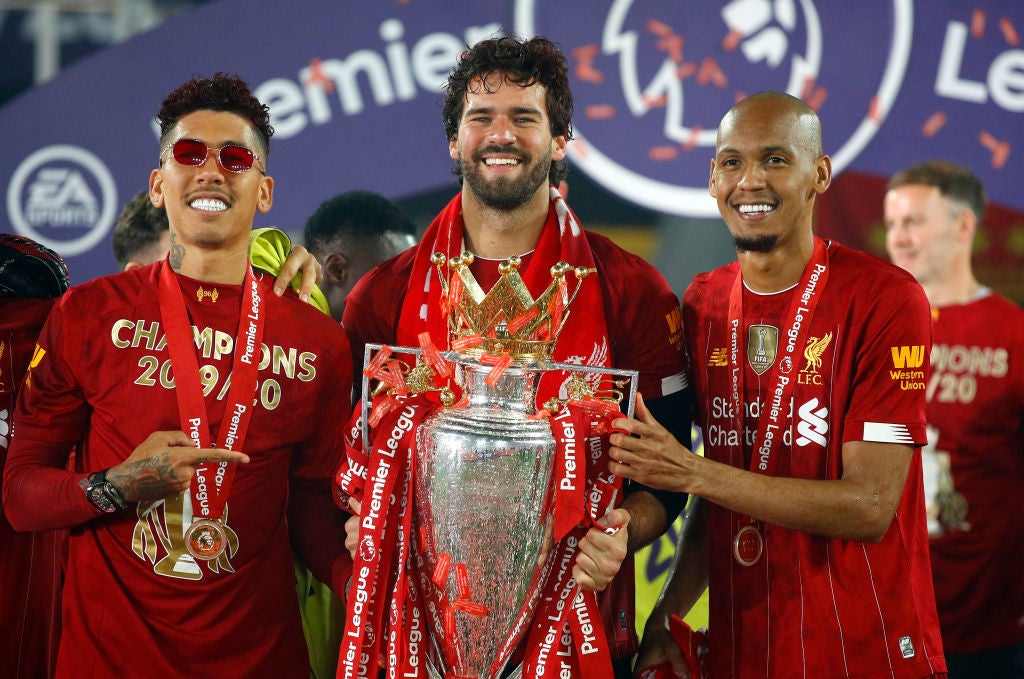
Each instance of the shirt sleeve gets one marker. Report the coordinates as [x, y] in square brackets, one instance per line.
[887, 404]
[645, 325]
[50, 418]
[372, 310]
[316, 525]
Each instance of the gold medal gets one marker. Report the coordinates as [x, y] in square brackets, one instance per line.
[747, 546]
[206, 539]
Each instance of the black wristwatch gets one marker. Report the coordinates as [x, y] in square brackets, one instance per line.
[103, 494]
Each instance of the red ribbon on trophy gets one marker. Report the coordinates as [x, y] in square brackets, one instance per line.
[396, 568]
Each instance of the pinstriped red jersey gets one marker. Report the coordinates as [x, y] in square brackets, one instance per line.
[976, 451]
[813, 606]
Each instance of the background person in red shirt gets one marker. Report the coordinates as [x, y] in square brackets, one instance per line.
[974, 460]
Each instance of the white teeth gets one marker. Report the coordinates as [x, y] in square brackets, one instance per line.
[501, 161]
[752, 209]
[210, 204]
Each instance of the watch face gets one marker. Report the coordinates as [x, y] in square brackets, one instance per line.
[100, 499]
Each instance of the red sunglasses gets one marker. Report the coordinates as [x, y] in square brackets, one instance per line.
[232, 157]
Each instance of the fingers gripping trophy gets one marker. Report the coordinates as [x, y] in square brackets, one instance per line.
[472, 497]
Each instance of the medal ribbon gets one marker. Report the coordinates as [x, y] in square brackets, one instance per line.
[563, 604]
[384, 526]
[189, 390]
[768, 441]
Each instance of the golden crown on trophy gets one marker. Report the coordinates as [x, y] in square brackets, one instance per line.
[506, 320]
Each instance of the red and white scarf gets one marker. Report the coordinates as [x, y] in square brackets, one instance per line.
[390, 573]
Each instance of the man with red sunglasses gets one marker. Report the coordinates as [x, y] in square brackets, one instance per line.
[206, 427]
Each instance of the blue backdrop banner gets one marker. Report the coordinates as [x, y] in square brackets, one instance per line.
[355, 91]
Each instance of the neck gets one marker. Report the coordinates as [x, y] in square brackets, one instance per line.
[225, 266]
[500, 234]
[779, 269]
[956, 288]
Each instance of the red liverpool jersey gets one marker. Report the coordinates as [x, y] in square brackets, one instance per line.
[813, 606]
[974, 472]
[31, 564]
[136, 604]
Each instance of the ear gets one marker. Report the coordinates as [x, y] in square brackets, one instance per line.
[966, 225]
[266, 197]
[453, 148]
[822, 174]
[711, 180]
[156, 193]
[558, 147]
[336, 269]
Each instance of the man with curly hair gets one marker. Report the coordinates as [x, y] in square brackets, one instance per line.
[206, 410]
[507, 118]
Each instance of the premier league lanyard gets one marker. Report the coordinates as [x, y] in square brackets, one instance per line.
[747, 546]
[211, 485]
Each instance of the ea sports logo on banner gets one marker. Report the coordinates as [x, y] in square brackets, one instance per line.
[64, 197]
[651, 80]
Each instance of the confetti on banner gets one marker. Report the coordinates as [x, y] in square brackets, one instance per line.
[1009, 32]
[978, 24]
[875, 111]
[732, 41]
[599, 112]
[318, 77]
[585, 70]
[934, 123]
[1000, 149]
[691, 140]
[658, 28]
[710, 72]
[663, 153]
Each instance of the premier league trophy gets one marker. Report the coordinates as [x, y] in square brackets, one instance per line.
[486, 465]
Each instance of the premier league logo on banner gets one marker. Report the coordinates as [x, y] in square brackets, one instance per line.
[653, 79]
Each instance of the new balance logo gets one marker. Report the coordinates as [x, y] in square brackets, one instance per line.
[908, 357]
[719, 357]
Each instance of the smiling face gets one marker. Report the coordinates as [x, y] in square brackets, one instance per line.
[208, 206]
[504, 145]
[925, 231]
[767, 170]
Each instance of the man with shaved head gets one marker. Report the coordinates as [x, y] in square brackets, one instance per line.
[809, 362]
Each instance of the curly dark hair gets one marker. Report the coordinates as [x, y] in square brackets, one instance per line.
[523, 63]
[222, 92]
[954, 182]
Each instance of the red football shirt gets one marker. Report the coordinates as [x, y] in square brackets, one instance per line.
[974, 472]
[135, 603]
[812, 606]
[31, 564]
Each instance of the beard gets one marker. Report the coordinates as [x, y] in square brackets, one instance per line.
[764, 243]
[505, 193]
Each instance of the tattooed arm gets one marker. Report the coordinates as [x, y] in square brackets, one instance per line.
[163, 465]
[40, 494]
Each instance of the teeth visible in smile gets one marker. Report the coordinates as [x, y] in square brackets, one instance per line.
[210, 204]
[501, 161]
[753, 209]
